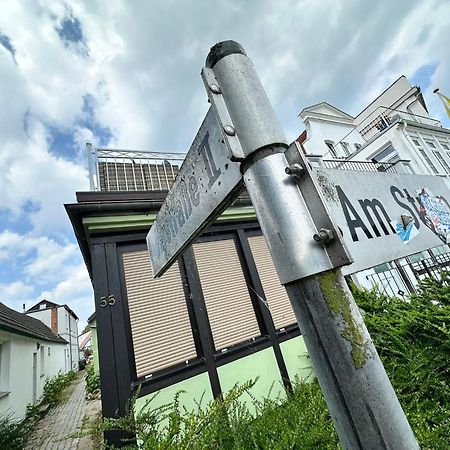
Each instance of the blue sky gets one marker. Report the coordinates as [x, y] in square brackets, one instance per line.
[127, 75]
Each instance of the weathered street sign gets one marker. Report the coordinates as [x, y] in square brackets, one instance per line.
[385, 216]
[207, 184]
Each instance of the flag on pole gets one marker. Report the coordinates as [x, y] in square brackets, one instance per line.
[445, 101]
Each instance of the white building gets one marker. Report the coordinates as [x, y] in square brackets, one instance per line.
[29, 354]
[63, 322]
[393, 133]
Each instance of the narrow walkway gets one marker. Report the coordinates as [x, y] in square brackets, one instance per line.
[51, 432]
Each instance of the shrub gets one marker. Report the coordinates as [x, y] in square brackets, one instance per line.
[413, 340]
[412, 337]
[92, 379]
[54, 387]
[12, 433]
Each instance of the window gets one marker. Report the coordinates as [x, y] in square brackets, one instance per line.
[48, 351]
[228, 302]
[346, 148]
[42, 351]
[427, 159]
[276, 296]
[430, 144]
[332, 150]
[445, 146]
[386, 153]
[424, 155]
[160, 326]
[5, 350]
[442, 161]
[407, 167]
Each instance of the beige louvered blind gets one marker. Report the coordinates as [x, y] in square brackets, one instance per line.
[160, 324]
[279, 304]
[227, 299]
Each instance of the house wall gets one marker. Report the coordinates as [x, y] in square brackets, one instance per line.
[44, 315]
[70, 334]
[18, 364]
[68, 330]
[319, 130]
[392, 98]
[260, 366]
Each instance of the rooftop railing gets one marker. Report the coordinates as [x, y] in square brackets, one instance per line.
[361, 166]
[382, 117]
[129, 170]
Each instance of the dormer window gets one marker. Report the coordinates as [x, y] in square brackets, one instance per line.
[330, 145]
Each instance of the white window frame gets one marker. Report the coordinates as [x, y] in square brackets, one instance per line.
[42, 360]
[5, 358]
[331, 148]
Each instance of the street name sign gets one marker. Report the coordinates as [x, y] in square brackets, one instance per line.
[386, 216]
[208, 182]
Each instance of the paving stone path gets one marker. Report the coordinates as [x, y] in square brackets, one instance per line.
[51, 432]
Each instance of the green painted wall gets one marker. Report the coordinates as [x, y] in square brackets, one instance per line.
[262, 365]
[195, 388]
[297, 360]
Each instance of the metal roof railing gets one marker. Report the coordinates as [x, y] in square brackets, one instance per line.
[361, 166]
[130, 170]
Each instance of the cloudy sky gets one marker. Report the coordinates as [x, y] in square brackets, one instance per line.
[126, 74]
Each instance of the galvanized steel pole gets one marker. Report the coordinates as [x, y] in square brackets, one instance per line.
[361, 400]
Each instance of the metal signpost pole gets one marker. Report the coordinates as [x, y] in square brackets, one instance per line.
[361, 400]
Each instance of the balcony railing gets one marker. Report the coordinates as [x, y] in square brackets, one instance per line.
[128, 170]
[382, 117]
[361, 166]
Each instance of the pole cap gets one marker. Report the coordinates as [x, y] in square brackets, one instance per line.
[222, 49]
[436, 91]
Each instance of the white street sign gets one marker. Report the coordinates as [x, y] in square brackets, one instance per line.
[207, 184]
[385, 216]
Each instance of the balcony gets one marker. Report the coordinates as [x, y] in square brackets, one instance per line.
[382, 118]
[360, 166]
[129, 170]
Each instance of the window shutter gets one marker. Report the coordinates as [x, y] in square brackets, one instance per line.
[160, 325]
[229, 306]
[279, 304]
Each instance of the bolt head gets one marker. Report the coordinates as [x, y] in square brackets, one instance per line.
[215, 89]
[324, 236]
[229, 130]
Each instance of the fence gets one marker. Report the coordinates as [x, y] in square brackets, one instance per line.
[401, 277]
[128, 170]
[364, 166]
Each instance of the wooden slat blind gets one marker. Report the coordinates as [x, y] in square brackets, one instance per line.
[160, 325]
[227, 299]
[279, 304]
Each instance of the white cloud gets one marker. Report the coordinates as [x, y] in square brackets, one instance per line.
[142, 71]
[15, 293]
[42, 259]
[75, 291]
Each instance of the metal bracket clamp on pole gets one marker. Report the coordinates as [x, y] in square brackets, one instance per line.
[258, 135]
[361, 400]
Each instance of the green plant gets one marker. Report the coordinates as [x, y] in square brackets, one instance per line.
[54, 387]
[92, 379]
[413, 340]
[412, 337]
[12, 433]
